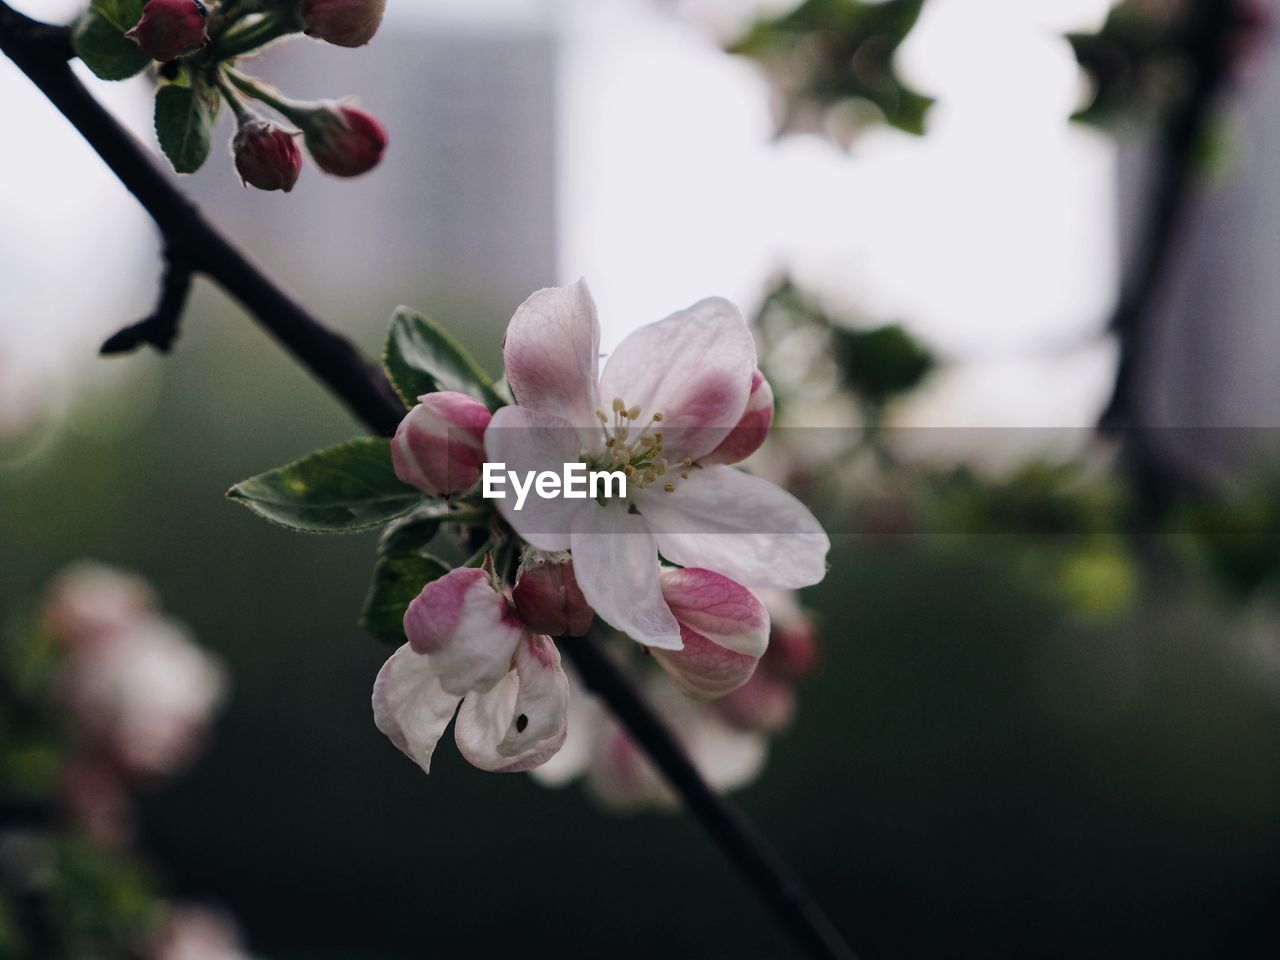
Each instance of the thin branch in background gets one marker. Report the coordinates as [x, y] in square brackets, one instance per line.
[1209, 53]
[41, 52]
[160, 329]
[757, 862]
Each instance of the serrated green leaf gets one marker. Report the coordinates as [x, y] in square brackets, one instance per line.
[421, 357]
[184, 125]
[397, 579]
[99, 39]
[415, 529]
[342, 489]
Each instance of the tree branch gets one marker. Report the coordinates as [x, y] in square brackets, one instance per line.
[40, 51]
[194, 245]
[754, 858]
[160, 329]
[1208, 50]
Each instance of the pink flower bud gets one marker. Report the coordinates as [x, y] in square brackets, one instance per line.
[794, 648]
[765, 702]
[724, 627]
[171, 28]
[347, 23]
[751, 430]
[266, 156]
[344, 141]
[548, 599]
[439, 445]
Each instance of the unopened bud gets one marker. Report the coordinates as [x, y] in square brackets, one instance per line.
[347, 23]
[794, 649]
[267, 157]
[751, 430]
[344, 141]
[548, 599]
[171, 28]
[439, 445]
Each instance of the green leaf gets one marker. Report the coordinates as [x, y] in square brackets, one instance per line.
[415, 529]
[421, 357]
[99, 39]
[184, 124]
[342, 489]
[397, 579]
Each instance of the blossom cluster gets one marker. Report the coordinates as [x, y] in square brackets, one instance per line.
[674, 565]
[197, 45]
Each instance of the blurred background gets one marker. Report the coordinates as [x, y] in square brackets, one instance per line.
[1027, 736]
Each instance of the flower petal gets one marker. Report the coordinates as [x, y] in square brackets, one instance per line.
[718, 608]
[552, 352]
[527, 442]
[738, 525]
[704, 669]
[410, 706]
[695, 368]
[615, 560]
[586, 719]
[521, 722]
[466, 628]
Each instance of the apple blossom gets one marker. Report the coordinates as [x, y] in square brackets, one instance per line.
[668, 397]
[144, 691]
[725, 629]
[89, 600]
[618, 772]
[466, 645]
[439, 445]
[171, 28]
[767, 701]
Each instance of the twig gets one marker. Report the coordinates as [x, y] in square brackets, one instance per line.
[160, 329]
[755, 859]
[1206, 35]
[41, 52]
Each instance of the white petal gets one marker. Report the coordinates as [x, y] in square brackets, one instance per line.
[522, 721]
[410, 706]
[738, 525]
[466, 628]
[551, 352]
[585, 720]
[526, 440]
[615, 560]
[695, 368]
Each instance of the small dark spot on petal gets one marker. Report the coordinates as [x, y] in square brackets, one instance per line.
[521, 722]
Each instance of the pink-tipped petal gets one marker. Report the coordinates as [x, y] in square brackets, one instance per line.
[704, 669]
[552, 351]
[695, 368]
[528, 442]
[718, 608]
[521, 722]
[410, 706]
[738, 525]
[466, 628]
[615, 560]
[439, 445]
[751, 431]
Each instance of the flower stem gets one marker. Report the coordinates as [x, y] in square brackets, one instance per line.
[249, 35]
[264, 93]
[757, 862]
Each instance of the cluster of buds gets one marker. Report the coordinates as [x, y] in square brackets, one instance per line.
[342, 139]
[199, 43]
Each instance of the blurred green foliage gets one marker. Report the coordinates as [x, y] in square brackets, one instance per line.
[828, 55]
